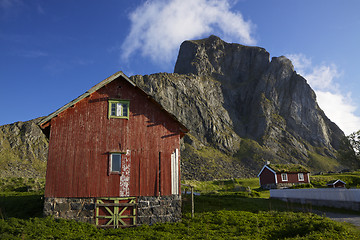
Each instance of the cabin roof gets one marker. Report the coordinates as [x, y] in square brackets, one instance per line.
[288, 168]
[100, 85]
[333, 182]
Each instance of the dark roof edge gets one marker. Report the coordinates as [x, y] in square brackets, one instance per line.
[333, 182]
[97, 87]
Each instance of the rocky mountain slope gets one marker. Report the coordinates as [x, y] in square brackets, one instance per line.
[23, 150]
[241, 109]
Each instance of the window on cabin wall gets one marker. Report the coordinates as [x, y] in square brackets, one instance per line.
[300, 176]
[119, 109]
[115, 163]
[284, 177]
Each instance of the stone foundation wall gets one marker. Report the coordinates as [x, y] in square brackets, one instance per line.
[150, 210]
[79, 209]
[159, 209]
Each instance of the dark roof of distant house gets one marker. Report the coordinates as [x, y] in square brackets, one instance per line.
[100, 85]
[333, 182]
[288, 168]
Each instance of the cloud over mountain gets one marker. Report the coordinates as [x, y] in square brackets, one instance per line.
[158, 27]
[338, 106]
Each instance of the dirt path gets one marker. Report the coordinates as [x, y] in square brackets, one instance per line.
[341, 217]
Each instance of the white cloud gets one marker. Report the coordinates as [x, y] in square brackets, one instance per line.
[322, 77]
[158, 27]
[337, 106]
[339, 109]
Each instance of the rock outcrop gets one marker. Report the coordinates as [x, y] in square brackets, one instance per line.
[235, 100]
[23, 150]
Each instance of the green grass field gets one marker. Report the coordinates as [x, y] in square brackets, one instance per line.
[226, 209]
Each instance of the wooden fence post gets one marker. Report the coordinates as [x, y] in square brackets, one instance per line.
[192, 202]
[192, 198]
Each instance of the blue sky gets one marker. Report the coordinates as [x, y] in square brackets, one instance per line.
[52, 51]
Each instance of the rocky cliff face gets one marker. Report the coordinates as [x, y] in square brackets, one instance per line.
[23, 150]
[250, 109]
[241, 109]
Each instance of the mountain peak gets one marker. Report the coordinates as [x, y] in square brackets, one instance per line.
[214, 56]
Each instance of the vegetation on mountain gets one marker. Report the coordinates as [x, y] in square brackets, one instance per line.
[23, 150]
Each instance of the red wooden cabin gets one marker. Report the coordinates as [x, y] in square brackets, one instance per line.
[336, 184]
[283, 175]
[113, 144]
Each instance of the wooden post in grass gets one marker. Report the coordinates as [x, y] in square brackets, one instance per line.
[192, 198]
[192, 201]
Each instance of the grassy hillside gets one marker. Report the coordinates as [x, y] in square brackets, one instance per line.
[352, 179]
[226, 212]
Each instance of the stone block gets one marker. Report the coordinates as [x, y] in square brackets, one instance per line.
[48, 206]
[159, 210]
[89, 206]
[62, 207]
[76, 205]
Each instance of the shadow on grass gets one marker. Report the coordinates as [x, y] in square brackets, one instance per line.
[209, 203]
[212, 202]
[22, 205]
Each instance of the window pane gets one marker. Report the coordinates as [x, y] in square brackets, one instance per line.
[113, 109]
[301, 177]
[125, 109]
[116, 162]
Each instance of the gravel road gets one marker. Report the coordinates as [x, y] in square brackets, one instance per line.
[341, 217]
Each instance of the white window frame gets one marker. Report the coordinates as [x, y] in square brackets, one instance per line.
[284, 177]
[111, 162]
[119, 109]
[301, 177]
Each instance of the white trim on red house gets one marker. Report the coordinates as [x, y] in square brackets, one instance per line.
[271, 170]
[334, 183]
[266, 166]
[308, 176]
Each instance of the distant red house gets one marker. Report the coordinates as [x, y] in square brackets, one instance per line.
[112, 152]
[336, 184]
[283, 175]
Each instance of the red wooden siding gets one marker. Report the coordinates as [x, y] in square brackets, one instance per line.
[82, 137]
[292, 178]
[267, 177]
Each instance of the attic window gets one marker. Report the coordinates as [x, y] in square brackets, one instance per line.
[301, 176]
[284, 177]
[115, 163]
[118, 109]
